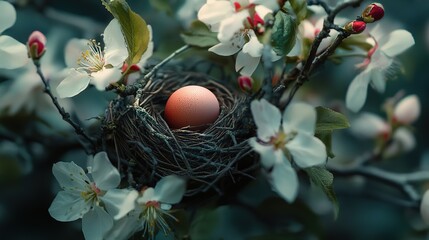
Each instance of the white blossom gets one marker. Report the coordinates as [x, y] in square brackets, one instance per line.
[403, 141]
[235, 26]
[407, 110]
[84, 196]
[13, 54]
[282, 140]
[378, 63]
[23, 92]
[151, 209]
[368, 125]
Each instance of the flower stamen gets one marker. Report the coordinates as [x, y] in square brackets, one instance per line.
[92, 60]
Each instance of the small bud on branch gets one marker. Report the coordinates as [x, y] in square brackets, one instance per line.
[36, 45]
[373, 12]
[355, 27]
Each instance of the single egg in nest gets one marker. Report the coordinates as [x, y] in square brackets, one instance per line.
[191, 106]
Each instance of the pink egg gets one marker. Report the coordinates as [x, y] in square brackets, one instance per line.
[191, 106]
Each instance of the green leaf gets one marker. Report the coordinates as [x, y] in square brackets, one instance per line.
[328, 120]
[284, 33]
[199, 35]
[324, 179]
[134, 29]
[300, 8]
[204, 224]
[326, 138]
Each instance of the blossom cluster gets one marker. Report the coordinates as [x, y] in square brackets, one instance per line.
[109, 212]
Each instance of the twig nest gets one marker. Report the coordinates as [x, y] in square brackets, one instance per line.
[147, 149]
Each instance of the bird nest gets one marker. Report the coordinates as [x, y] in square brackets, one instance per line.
[146, 149]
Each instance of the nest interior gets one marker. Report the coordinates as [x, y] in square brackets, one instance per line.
[146, 149]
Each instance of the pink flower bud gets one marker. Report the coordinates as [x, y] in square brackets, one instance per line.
[245, 83]
[373, 12]
[355, 27]
[407, 110]
[36, 45]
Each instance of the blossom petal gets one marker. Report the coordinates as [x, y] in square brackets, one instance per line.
[405, 139]
[369, 125]
[73, 51]
[300, 117]
[307, 150]
[73, 84]
[285, 181]
[13, 54]
[246, 64]
[7, 15]
[397, 42]
[269, 4]
[105, 175]
[148, 195]
[307, 30]
[215, 11]
[68, 206]
[262, 10]
[407, 110]
[70, 176]
[170, 189]
[267, 118]
[424, 207]
[269, 156]
[96, 223]
[253, 47]
[378, 81]
[125, 227]
[119, 202]
[115, 49]
[228, 48]
[231, 25]
[357, 91]
[105, 77]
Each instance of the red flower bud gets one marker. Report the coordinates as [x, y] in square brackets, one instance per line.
[373, 12]
[355, 27]
[245, 83]
[36, 45]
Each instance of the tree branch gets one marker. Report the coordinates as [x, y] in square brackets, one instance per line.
[401, 181]
[312, 60]
[66, 116]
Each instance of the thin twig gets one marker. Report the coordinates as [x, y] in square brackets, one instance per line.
[339, 8]
[312, 60]
[66, 116]
[323, 4]
[153, 71]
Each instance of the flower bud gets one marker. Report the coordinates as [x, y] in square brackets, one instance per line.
[36, 45]
[373, 12]
[355, 27]
[370, 126]
[407, 110]
[245, 83]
